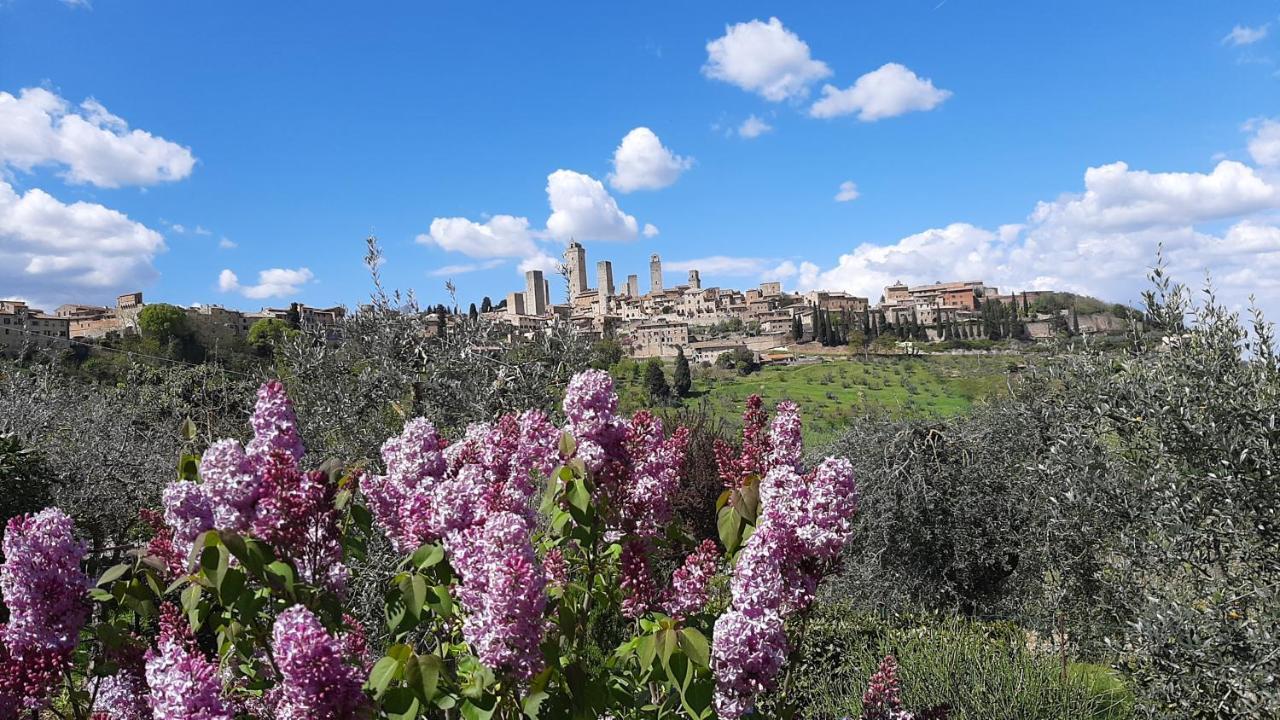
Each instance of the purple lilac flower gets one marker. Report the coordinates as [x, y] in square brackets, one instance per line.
[297, 517]
[830, 503]
[655, 475]
[557, 570]
[636, 581]
[883, 698]
[122, 696]
[315, 681]
[43, 587]
[42, 583]
[590, 406]
[189, 511]
[275, 427]
[746, 654]
[184, 683]
[228, 479]
[503, 591]
[401, 499]
[786, 445]
[690, 584]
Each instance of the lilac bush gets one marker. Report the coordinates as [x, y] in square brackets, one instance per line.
[516, 539]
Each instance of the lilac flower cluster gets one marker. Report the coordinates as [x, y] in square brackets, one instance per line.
[476, 495]
[636, 581]
[184, 683]
[883, 697]
[736, 467]
[504, 592]
[261, 490]
[691, 582]
[122, 696]
[655, 474]
[803, 524]
[316, 683]
[590, 407]
[43, 588]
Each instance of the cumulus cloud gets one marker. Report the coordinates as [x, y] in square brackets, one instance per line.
[37, 127]
[848, 191]
[226, 243]
[1244, 35]
[722, 265]
[753, 127]
[886, 92]
[501, 236]
[54, 252]
[581, 208]
[541, 261]
[642, 163]
[764, 58]
[650, 230]
[1100, 241]
[275, 282]
[1264, 146]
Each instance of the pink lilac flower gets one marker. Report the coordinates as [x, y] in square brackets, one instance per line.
[184, 683]
[747, 653]
[43, 587]
[831, 501]
[161, 545]
[515, 451]
[233, 487]
[297, 517]
[786, 445]
[691, 582]
[883, 698]
[316, 683]
[655, 474]
[557, 570]
[636, 581]
[590, 406]
[275, 427]
[503, 591]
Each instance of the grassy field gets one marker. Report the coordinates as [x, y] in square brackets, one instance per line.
[831, 392]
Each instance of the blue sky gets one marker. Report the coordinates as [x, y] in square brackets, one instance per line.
[982, 139]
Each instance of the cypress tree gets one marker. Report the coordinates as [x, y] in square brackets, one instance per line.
[486, 305]
[682, 382]
[655, 382]
[472, 312]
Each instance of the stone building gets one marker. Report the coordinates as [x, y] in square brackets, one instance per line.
[576, 259]
[26, 327]
[655, 274]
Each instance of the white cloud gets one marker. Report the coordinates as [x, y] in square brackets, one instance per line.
[581, 208]
[642, 163]
[753, 127]
[548, 265]
[1116, 197]
[1244, 35]
[764, 58]
[275, 282]
[1099, 242]
[802, 276]
[38, 127]
[650, 230]
[200, 230]
[462, 269]
[55, 252]
[848, 191]
[886, 92]
[500, 236]
[722, 265]
[226, 243]
[1264, 146]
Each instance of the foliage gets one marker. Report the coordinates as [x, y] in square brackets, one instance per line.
[26, 482]
[980, 671]
[163, 322]
[682, 381]
[655, 382]
[268, 333]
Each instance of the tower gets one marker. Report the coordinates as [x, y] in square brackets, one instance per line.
[633, 286]
[655, 274]
[535, 293]
[695, 281]
[576, 257]
[604, 278]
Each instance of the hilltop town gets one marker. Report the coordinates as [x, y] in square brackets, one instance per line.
[704, 323]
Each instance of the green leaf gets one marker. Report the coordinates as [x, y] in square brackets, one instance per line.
[579, 496]
[646, 651]
[414, 591]
[213, 563]
[384, 672]
[280, 576]
[100, 595]
[428, 555]
[187, 430]
[401, 704]
[568, 445]
[474, 711]
[532, 703]
[729, 524]
[694, 644]
[114, 573]
[422, 674]
[440, 601]
[189, 468]
[231, 586]
[666, 640]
